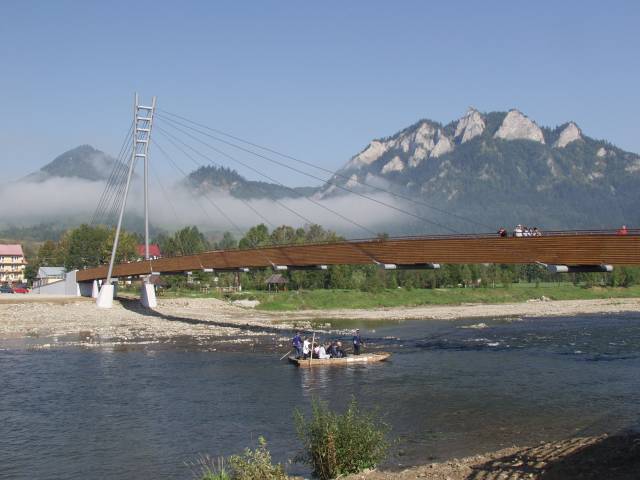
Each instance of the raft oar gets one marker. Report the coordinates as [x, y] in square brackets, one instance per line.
[285, 354]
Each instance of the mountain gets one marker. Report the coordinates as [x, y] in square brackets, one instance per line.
[83, 162]
[499, 168]
[219, 179]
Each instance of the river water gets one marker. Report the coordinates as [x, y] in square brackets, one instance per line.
[450, 389]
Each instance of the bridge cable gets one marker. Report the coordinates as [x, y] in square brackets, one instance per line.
[117, 180]
[330, 172]
[112, 178]
[114, 198]
[264, 175]
[245, 202]
[380, 202]
[239, 230]
[173, 139]
[175, 214]
[108, 186]
[170, 137]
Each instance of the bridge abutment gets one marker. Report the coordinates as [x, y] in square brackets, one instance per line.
[95, 289]
[105, 297]
[148, 295]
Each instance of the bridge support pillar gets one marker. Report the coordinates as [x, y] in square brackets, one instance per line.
[94, 289]
[105, 297]
[148, 296]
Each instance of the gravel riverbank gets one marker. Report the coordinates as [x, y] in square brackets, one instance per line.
[37, 317]
[586, 458]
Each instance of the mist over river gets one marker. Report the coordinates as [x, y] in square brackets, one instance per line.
[451, 388]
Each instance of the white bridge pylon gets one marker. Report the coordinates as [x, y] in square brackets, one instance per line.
[142, 125]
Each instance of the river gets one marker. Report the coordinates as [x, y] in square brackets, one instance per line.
[450, 389]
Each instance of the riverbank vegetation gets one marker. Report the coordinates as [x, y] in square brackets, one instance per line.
[333, 445]
[339, 444]
[326, 299]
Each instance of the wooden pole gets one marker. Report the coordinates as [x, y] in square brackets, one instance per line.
[313, 340]
[285, 354]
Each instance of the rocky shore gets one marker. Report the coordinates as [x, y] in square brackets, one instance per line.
[586, 458]
[78, 320]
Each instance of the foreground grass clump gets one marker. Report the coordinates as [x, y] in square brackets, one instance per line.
[341, 444]
[251, 465]
[206, 468]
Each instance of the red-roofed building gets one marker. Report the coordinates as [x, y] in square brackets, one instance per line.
[154, 251]
[12, 264]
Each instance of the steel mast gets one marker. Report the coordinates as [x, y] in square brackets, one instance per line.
[142, 124]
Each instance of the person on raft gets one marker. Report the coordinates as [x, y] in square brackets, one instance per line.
[357, 342]
[297, 345]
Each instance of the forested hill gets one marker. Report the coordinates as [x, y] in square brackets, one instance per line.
[83, 162]
[212, 178]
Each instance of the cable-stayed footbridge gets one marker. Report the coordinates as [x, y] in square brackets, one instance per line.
[560, 251]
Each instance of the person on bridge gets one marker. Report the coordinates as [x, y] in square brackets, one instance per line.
[297, 344]
[622, 230]
[502, 232]
[357, 342]
[517, 232]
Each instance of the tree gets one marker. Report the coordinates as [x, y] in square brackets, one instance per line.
[256, 236]
[227, 242]
[85, 246]
[283, 235]
[187, 241]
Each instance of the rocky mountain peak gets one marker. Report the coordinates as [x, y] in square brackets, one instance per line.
[516, 126]
[569, 134]
[469, 126]
[373, 152]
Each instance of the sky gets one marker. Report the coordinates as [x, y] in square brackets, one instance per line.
[317, 80]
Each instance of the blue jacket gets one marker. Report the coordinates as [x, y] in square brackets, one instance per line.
[357, 340]
[297, 341]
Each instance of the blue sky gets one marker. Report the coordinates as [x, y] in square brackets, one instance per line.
[315, 79]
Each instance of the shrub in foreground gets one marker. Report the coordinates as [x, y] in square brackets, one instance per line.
[256, 465]
[336, 444]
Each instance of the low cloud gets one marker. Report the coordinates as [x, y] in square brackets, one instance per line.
[73, 201]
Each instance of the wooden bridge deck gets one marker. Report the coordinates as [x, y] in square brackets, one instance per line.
[565, 248]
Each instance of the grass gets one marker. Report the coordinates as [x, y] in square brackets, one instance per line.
[335, 299]
[344, 299]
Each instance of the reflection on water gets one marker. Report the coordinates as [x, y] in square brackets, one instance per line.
[450, 389]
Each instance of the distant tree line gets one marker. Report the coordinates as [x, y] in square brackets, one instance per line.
[87, 246]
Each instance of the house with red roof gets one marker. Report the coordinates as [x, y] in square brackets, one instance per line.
[154, 251]
[12, 264]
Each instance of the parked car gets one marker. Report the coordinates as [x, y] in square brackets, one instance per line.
[20, 289]
[6, 289]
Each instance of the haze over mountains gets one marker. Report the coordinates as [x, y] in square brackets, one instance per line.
[497, 168]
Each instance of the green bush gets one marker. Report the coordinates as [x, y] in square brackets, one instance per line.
[255, 465]
[336, 444]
